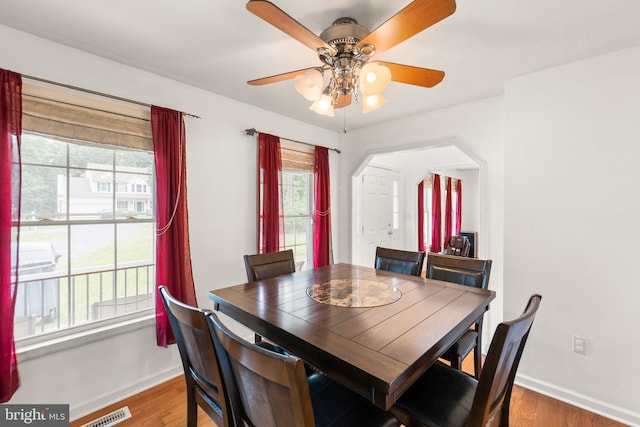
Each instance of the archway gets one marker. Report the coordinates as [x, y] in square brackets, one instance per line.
[411, 165]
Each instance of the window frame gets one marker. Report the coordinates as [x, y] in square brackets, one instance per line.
[39, 101]
[310, 206]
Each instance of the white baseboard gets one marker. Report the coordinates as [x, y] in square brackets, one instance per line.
[599, 407]
[143, 384]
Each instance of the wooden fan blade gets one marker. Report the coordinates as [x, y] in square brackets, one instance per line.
[279, 19]
[278, 77]
[413, 75]
[415, 17]
[343, 101]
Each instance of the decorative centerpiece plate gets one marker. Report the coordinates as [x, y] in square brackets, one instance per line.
[354, 293]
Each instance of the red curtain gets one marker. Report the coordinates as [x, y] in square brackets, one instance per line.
[459, 206]
[322, 212]
[270, 219]
[10, 198]
[173, 254]
[448, 213]
[436, 213]
[421, 245]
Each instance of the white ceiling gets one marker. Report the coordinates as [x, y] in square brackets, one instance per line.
[218, 45]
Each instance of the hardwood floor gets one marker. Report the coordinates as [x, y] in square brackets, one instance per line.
[164, 406]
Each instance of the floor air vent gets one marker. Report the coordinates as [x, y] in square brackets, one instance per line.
[110, 419]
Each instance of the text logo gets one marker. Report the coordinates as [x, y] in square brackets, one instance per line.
[34, 415]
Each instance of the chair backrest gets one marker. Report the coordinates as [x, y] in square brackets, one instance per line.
[265, 266]
[265, 388]
[399, 261]
[197, 351]
[458, 246]
[493, 394]
[464, 271]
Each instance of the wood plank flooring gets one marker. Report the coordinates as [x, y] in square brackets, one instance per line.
[165, 406]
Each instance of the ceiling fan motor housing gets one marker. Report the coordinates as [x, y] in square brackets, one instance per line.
[344, 34]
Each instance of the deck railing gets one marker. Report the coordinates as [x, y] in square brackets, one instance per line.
[52, 301]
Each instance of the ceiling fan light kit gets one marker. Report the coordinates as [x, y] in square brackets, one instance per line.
[323, 106]
[372, 102]
[310, 84]
[345, 50]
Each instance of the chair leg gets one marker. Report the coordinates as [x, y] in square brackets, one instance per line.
[192, 407]
[477, 359]
[477, 356]
[456, 362]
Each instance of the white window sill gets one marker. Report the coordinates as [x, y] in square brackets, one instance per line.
[36, 348]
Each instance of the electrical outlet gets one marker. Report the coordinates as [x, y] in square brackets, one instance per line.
[579, 344]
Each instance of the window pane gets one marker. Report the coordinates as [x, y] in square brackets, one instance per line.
[42, 262]
[43, 150]
[133, 194]
[91, 194]
[289, 232]
[302, 236]
[90, 156]
[92, 247]
[301, 194]
[396, 205]
[287, 194]
[297, 196]
[136, 159]
[135, 243]
[43, 193]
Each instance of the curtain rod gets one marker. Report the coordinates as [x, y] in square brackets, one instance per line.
[93, 92]
[253, 131]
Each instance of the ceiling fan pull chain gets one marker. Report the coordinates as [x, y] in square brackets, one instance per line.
[344, 126]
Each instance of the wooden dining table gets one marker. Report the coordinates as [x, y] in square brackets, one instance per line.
[372, 330]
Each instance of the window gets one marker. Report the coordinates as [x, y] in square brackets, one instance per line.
[396, 205]
[84, 257]
[104, 187]
[428, 200]
[297, 200]
[297, 204]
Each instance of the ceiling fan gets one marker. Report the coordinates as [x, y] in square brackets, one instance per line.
[346, 49]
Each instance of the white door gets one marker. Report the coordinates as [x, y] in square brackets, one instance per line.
[378, 225]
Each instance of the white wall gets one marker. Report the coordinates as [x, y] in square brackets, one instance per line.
[221, 180]
[572, 211]
[470, 198]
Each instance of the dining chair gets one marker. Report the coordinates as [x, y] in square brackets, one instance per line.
[269, 389]
[446, 397]
[201, 369]
[458, 246]
[399, 261]
[464, 271]
[268, 265]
